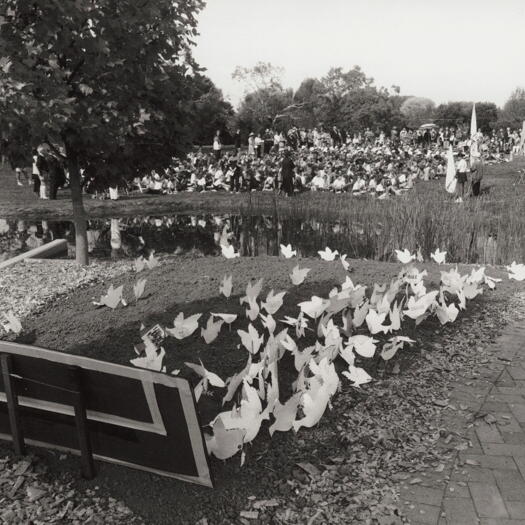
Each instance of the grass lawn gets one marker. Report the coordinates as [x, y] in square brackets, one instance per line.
[74, 325]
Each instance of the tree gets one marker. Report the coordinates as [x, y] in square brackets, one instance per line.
[514, 108]
[339, 83]
[417, 111]
[106, 80]
[459, 114]
[265, 98]
[262, 76]
[210, 112]
[310, 96]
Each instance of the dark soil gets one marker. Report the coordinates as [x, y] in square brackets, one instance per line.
[74, 325]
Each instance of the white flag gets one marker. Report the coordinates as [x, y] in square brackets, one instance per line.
[473, 123]
[450, 181]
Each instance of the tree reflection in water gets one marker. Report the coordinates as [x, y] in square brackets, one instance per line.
[129, 237]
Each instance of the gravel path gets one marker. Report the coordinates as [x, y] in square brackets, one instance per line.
[26, 287]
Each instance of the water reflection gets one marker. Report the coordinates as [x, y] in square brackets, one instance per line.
[18, 236]
[197, 234]
[252, 236]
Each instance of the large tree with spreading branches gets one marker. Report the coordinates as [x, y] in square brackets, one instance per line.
[107, 80]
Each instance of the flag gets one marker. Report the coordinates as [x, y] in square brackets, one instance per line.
[473, 123]
[474, 150]
[450, 181]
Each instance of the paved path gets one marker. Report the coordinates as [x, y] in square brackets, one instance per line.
[484, 481]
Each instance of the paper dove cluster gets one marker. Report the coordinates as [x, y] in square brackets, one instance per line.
[351, 325]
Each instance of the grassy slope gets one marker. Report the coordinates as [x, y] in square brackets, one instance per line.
[17, 202]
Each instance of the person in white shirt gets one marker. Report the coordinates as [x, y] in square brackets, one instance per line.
[339, 184]
[318, 182]
[217, 145]
[461, 176]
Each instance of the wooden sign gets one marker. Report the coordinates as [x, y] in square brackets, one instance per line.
[129, 416]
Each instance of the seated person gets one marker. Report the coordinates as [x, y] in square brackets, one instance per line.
[359, 185]
[318, 182]
[339, 184]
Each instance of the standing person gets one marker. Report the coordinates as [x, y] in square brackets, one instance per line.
[287, 174]
[35, 175]
[237, 141]
[57, 176]
[251, 144]
[42, 166]
[217, 145]
[461, 176]
[268, 141]
[259, 145]
[477, 169]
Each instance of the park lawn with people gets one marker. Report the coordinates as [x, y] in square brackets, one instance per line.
[394, 417]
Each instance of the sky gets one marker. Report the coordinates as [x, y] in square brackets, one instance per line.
[445, 50]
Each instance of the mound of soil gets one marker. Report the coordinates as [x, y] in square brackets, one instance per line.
[191, 286]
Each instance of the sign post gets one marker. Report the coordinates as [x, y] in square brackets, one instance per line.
[129, 416]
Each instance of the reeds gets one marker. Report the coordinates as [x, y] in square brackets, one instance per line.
[489, 229]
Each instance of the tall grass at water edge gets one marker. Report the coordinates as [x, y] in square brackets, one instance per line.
[489, 229]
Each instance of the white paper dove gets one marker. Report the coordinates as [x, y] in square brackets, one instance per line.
[268, 322]
[252, 291]
[227, 318]
[375, 321]
[327, 254]
[235, 381]
[224, 444]
[138, 288]
[438, 256]
[112, 298]
[298, 275]
[139, 264]
[212, 378]
[390, 348]
[229, 252]
[273, 302]
[315, 400]
[357, 375]
[285, 414]
[251, 339]
[446, 314]
[226, 286]
[360, 314]
[248, 417]
[12, 323]
[253, 310]
[184, 327]
[314, 307]
[300, 324]
[287, 251]
[516, 271]
[491, 281]
[345, 264]
[152, 261]
[364, 345]
[418, 307]
[212, 330]
[405, 256]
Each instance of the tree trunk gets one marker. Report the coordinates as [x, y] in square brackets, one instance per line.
[79, 214]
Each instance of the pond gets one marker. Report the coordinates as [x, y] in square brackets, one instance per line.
[129, 237]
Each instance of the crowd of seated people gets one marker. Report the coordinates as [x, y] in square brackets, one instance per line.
[326, 161]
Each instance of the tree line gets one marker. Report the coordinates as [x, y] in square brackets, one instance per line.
[351, 101]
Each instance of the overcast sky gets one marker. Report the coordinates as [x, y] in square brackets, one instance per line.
[442, 49]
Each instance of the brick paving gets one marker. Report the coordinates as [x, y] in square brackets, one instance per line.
[483, 482]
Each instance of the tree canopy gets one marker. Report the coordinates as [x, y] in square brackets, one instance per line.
[107, 80]
[514, 108]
